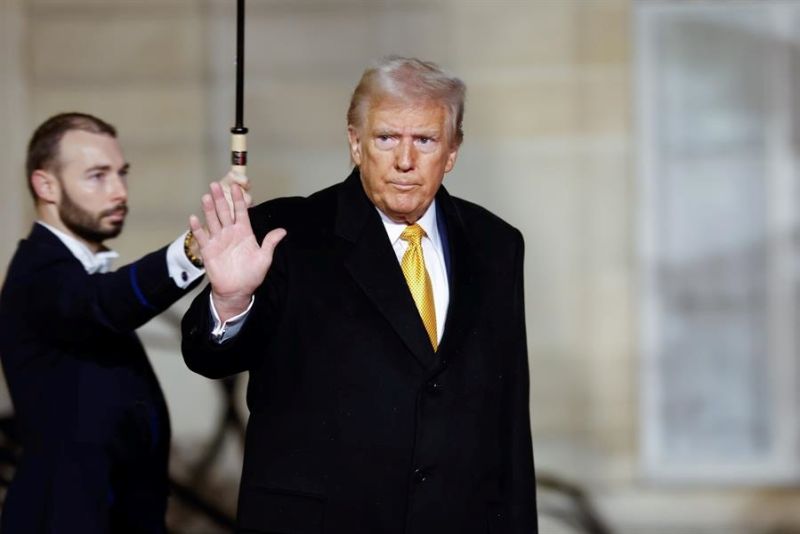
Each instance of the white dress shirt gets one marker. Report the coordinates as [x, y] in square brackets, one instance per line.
[432, 252]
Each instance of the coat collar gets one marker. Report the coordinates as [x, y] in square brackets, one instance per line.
[41, 236]
[373, 265]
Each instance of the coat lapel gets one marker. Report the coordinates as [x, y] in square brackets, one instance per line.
[372, 263]
[464, 264]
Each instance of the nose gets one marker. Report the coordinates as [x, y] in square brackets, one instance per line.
[118, 188]
[404, 156]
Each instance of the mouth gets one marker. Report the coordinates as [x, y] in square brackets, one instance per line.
[403, 186]
[116, 215]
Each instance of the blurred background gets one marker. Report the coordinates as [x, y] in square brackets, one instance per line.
[648, 150]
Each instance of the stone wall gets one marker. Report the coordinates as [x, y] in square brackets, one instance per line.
[548, 147]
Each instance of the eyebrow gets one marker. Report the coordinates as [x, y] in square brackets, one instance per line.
[125, 168]
[432, 132]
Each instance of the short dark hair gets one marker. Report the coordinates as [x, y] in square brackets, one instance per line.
[43, 148]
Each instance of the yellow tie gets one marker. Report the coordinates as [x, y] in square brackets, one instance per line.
[413, 265]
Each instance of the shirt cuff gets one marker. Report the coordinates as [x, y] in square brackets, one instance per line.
[224, 331]
[181, 270]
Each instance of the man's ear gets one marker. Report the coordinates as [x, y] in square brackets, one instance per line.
[46, 186]
[355, 144]
[451, 159]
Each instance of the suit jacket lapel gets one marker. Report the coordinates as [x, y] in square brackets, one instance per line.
[372, 263]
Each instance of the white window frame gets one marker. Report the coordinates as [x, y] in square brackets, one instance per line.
[782, 463]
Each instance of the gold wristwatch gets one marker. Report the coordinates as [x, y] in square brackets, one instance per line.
[188, 243]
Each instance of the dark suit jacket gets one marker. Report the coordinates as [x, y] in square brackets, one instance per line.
[356, 425]
[93, 421]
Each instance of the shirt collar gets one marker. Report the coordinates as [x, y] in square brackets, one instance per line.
[99, 262]
[427, 222]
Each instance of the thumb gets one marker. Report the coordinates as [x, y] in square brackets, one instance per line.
[271, 241]
[235, 177]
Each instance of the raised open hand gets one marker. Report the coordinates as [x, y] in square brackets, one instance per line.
[235, 263]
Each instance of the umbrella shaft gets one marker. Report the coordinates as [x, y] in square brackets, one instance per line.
[240, 64]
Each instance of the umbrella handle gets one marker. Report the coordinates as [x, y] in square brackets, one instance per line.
[239, 150]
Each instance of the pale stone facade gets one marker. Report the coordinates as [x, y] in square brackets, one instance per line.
[548, 147]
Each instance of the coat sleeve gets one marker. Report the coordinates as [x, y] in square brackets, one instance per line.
[201, 353]
[72, 305]
[519, 475]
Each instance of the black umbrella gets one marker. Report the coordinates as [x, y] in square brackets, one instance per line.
[239, 132]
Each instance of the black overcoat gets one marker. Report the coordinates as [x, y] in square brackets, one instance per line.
[356, 425]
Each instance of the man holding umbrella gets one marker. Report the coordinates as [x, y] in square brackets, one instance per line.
[91, 415]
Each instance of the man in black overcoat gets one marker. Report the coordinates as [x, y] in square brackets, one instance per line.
[382, 323]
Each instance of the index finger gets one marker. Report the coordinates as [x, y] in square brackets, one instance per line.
[239, 206]
[221, 204]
